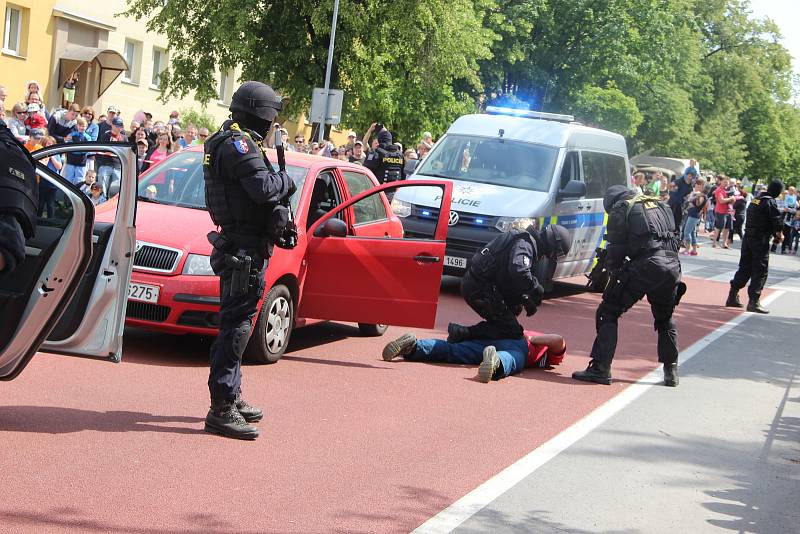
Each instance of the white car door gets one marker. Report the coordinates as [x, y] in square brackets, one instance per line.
[72, 287]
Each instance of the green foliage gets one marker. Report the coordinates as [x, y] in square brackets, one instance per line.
[608, 108]
[201, 119]
[687, 78]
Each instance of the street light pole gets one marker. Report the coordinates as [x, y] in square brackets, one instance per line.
[321, 133]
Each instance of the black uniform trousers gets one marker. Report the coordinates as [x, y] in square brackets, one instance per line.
[500, 322]
[655, 275]
[236, 315]
[753, 265]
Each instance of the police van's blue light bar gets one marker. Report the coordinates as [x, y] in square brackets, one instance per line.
[496, 110]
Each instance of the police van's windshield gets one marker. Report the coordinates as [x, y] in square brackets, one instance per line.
[178, 181]
[490, 160]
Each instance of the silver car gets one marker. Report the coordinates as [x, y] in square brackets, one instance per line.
[68, 296]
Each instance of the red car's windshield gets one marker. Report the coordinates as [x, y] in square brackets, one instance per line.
[178, 181]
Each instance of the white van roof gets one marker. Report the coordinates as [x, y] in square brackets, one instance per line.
[544, 132]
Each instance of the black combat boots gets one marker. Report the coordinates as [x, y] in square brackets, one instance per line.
[671, 375]
[733, 299]
[224, 419]
[251, 414]
[457, 332]
[756, 307]
[596, 372]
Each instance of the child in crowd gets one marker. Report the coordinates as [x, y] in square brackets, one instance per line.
[47, 191]
[141, 152]
[34, 142]
[96, 194]
[76, 161]
[88, 180]
[795, 238]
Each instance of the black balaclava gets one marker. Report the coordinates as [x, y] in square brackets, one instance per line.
[251, 122]
[775, 188]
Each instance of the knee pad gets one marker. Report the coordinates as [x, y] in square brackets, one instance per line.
[239, 338]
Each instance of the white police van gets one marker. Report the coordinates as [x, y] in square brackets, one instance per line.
[513, 168]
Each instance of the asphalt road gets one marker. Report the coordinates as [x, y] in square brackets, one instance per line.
[354, 444]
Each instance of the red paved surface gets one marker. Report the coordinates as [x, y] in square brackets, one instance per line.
[350, 443]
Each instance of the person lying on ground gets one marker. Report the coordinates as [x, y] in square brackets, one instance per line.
[497, 358]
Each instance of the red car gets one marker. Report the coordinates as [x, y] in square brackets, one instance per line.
[351, 262]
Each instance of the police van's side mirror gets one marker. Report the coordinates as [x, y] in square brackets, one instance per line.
[573, 189]
[332, 228]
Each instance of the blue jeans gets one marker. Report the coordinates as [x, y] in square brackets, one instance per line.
[513, 353]
[74, 173]
[689, 231]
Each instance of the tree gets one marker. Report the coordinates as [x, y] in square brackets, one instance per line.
[412, 65]
[608, 108]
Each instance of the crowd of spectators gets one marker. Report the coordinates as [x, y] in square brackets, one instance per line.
[715, 206]
[355, 150]
[98, 174]
[36, 126]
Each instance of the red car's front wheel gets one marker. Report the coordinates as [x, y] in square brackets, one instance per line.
[273, 327]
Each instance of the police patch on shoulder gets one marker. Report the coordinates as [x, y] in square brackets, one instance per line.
[241, 146]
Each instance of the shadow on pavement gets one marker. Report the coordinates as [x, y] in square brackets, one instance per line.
[58, 420]
[75, 520]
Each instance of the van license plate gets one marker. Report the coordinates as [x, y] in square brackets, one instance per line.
[143, 293]
[453, 261]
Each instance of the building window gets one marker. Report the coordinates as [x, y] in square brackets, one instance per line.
[131, 54]
[225, 88]
[159, 64]
[13, 30]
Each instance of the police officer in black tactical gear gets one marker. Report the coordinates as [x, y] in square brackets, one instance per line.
[763, 222]
[641, 229]
[500, 281]
[386, 162]
[244, 196]
[19, 200]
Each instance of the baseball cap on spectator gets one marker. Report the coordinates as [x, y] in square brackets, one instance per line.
[33, 108]
[37, 133]
[359, 142]
[116, 121]
[351, 133]
[142, 142]
[113, 109]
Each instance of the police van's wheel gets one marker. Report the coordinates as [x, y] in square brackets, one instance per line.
[545, 268]
[273, 327]
[372, 330]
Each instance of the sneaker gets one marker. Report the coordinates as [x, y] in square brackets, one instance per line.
[490, 363]
[402, 346]
[693, 253]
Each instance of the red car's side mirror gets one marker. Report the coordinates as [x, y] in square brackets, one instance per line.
[332, 228]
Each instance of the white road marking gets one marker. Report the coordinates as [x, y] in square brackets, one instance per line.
[474, 501]
[686, 269]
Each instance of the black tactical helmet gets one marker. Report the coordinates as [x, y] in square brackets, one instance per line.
[558, 240]
[613, 195]
[775, 188]
[258, 99]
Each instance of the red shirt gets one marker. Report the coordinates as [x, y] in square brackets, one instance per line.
[540, 355]
[722, 209]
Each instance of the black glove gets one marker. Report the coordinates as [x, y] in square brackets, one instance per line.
[529, 304]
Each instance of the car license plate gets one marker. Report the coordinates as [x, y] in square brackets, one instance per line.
[454, 261]
[143, 292]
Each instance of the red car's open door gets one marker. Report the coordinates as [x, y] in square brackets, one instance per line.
[375, 280]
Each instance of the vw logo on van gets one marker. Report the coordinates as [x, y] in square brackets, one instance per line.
[453, 219]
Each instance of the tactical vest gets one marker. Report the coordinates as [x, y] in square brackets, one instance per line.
[229, 205]
[19, 188]
[390, 165]
[651, 225]
[490, 263]
[757, 221]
